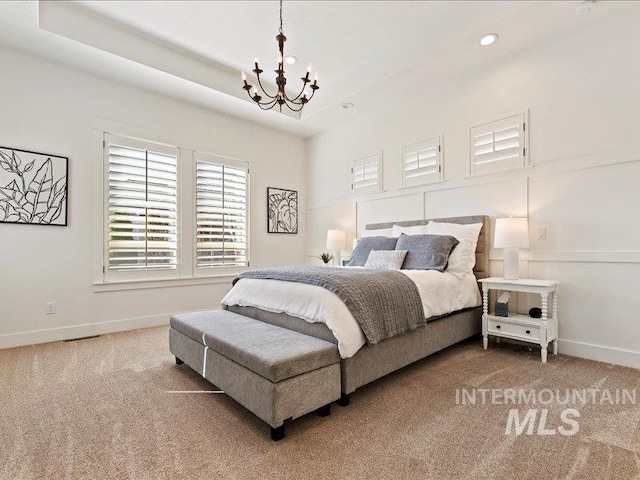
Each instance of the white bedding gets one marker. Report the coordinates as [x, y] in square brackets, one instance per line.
[440, 292]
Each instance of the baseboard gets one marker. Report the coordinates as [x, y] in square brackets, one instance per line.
[589, 351]
[20, 339]
[617, 356]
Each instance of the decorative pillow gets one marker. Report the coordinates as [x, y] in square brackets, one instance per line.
[380, 232]
[413, 230]
[426, 252]
[385, 259]
[463, 258]
[366, 244]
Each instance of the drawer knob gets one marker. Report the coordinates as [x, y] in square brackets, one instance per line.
[528, 332]
[497, 326]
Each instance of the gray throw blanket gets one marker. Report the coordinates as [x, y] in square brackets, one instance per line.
[384, 302]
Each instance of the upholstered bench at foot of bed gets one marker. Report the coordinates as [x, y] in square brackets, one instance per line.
[277, 374]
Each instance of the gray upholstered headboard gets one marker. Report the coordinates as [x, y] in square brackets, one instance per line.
[481, 270]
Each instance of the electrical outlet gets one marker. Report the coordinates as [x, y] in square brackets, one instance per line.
[50, 308]
[542, 233]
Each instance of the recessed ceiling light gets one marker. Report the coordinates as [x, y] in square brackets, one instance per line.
[585, 6]
[488, 39]
[290, 59]
[348, 105]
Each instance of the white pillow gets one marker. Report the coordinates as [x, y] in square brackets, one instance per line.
[386, 259]
[463, 258]
[414, 230]
[380, 232]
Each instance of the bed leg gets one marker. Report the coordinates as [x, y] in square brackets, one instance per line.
[325, 411]
[344, 400]
[178, 361]
[277, 434]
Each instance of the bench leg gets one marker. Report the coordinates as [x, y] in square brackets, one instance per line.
[325, 411]
[277, 434]
[178, 361]
[344, 400]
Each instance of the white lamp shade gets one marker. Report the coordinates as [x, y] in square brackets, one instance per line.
[511, 233]
[336, 240]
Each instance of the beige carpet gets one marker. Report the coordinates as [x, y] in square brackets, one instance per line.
[97, 408]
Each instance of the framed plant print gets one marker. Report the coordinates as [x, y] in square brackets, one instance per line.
[33, 187]
[282, 210]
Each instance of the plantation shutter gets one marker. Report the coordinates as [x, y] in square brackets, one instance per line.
[142, 205]
[221, 212]
[367, 175]
[499, 145]
[421, 163]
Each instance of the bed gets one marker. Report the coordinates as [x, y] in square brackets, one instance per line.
[370, 362]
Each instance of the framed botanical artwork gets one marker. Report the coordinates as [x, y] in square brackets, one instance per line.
[33, 187]
[282, 210]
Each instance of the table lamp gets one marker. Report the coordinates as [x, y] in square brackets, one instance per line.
[511, 234]
[336, 242]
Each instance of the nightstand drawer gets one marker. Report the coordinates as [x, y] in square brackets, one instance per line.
[505, 328]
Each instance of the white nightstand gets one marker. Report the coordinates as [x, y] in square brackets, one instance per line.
[522, 327]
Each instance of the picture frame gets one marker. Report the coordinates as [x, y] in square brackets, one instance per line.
[282, 210]
[33, 187]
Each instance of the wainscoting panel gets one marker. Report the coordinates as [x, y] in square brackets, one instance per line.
[402, 207]
[595, 209]
[598, 305]
[496, 199]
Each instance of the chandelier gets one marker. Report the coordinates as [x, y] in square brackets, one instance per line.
[280, 98]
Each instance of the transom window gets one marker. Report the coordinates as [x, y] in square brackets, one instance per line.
[367, 175]
[500, 145]
[422, 162]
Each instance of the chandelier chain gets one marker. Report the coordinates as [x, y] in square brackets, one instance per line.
[281, 31]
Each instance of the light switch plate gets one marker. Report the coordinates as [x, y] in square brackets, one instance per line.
[542, 233]
[50, 308]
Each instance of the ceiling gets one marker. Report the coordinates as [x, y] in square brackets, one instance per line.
[364, 51]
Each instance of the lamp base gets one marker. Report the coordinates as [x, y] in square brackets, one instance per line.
[511, 262]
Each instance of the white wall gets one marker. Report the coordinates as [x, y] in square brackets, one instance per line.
[50, 108]
[582, 92]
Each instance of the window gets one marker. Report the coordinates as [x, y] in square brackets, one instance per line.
[171, 213]
[221, 212]
[367, 175]
[422, 163]
[500, 145]
[142, 205]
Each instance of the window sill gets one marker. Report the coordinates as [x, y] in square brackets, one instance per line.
[162, 283]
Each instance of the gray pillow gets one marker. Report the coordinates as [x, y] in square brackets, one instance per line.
[366, 244]
[426, 252]
[385, 259]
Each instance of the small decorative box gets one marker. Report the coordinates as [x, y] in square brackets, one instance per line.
[502, 309]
